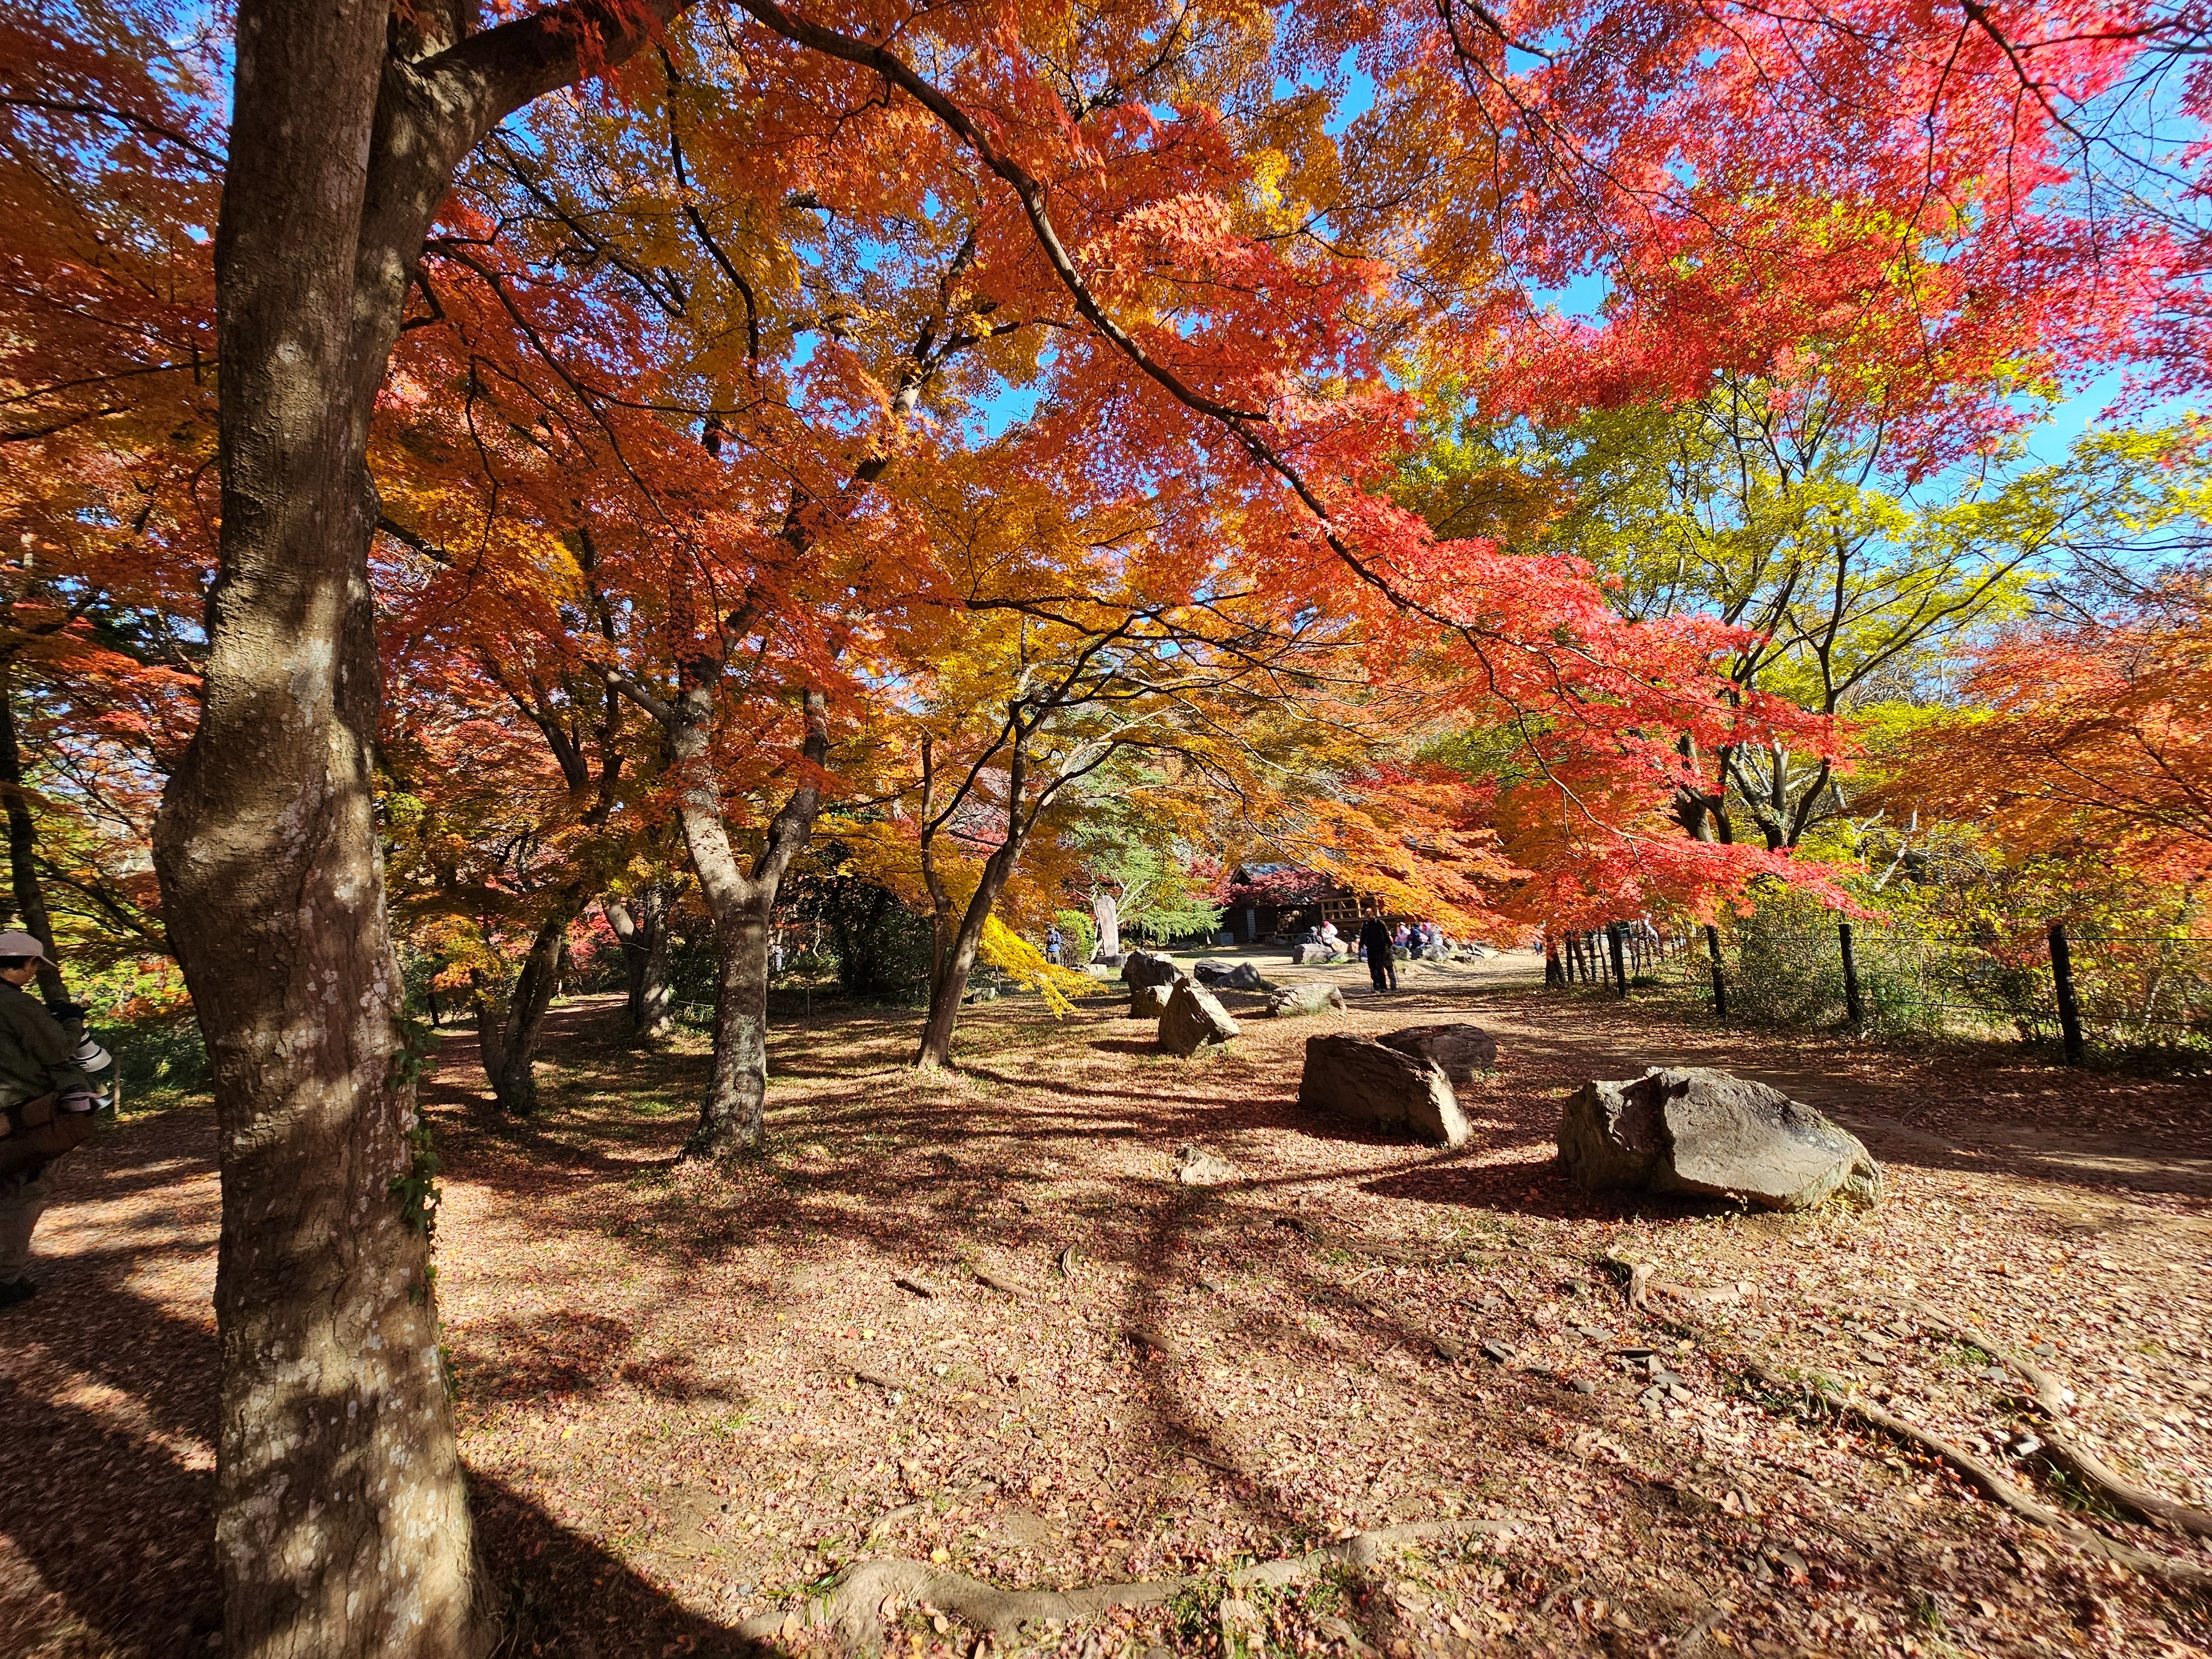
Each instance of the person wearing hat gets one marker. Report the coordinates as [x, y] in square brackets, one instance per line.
[48, 1098]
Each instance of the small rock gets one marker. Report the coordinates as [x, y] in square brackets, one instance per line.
[1450, 1348]
[1196, 1167]
[1221, 976]
[1497, 1352]
[1676, 1391]
[1295, 1001]
[1591, 1334]
[1491, 1304]
[1583, 1385]
[915, 1283]
[1149, 967]
[2045, 1350]
[1652, 1398]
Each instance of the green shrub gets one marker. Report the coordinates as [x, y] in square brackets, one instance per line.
[1082, 935]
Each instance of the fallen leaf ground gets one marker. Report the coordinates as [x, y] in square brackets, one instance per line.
[659, 1366]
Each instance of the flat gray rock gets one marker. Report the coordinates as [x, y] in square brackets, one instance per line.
[1294, 1002]
[1463, 1052]
[1707, 1133]
[1352, 1077]
[1194, 1020]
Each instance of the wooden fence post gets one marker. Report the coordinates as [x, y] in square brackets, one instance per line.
[2069, 1010]
[1720, 980]
[1613, 931]
[1854, 1009]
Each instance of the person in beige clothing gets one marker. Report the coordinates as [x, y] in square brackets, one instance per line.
[47, 1097]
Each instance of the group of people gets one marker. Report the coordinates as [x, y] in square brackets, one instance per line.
[47, 1099]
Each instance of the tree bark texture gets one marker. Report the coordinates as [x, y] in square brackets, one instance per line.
[640, 923]
[953, 956]
[948, 981]
[507, 1033]
[22, 845]
[741, 899]
[341, 1521]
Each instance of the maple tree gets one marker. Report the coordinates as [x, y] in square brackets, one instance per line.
[2085, 740]
[1212, 268]
[108, 165]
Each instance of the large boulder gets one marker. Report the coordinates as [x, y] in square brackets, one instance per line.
[1705, 1134]
[1312, 951]
[1354, 1077]
[1463, 1051]
[1149, 1001]
[1148, 968]
[1311, 997]
[1194, 1020]
[1225, 976]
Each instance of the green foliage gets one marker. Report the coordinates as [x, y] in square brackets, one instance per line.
[1160, 896]
[138, 1010]
[1859, 580]
[1081, 933]
[156, 1055]
[416, 1189]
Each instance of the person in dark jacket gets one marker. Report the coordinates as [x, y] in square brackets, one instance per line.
[47, 1099]
[1381, 962]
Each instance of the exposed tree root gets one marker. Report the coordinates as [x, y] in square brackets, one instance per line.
[998, 1282]
[1991, 1482]
[1984, 1475]
[852, 1611]
[2051, 1398]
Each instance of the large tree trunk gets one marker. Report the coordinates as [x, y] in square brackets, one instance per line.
[341, 1521]
[342, 1527]
[742, 900]
[22, 845]
[732, 1117]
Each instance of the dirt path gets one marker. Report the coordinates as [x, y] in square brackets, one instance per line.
[658, 1366]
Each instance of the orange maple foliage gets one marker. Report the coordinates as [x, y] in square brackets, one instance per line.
[2091, 740]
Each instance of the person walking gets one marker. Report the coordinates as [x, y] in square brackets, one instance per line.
[1053, 944]
[1382, 961]
[48, 1098]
